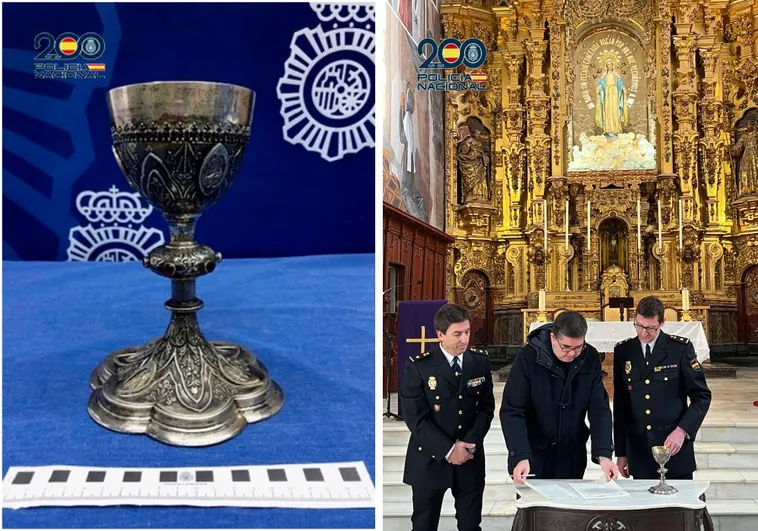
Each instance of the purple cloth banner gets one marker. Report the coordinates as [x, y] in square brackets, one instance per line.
[415, 323]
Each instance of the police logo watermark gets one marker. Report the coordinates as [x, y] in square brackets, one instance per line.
[326, 93]
[449, 55]
[120, 236]
[69, 56]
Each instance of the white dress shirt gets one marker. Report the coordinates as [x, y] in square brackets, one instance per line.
[450, 358]
[652, 346]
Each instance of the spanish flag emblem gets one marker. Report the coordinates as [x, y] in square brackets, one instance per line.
[478, 77]
[96, 66]
[451, 52]
[68, 46]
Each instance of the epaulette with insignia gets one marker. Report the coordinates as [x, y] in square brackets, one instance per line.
[681, 339]
[419, 357]
[481, 351]
[624, 341]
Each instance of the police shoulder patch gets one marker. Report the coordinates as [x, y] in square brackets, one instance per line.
[695, 364]
[418, 357]
[680, 339]
[624, 341]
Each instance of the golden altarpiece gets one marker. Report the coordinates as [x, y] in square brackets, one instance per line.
[614, 152]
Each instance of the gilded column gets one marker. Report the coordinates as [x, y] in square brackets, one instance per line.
[515, 150]
[537, 148]
[685, 154]
[663, 85]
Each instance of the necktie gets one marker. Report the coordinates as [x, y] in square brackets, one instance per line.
[457, 369]
[647, 352]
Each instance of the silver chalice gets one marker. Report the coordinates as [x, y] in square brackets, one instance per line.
[180, 144]
[661, 454]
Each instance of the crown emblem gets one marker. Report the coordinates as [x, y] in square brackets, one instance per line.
[115, 232]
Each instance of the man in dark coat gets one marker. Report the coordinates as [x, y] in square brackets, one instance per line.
[555, 382]
[653, 375]
[448, 405]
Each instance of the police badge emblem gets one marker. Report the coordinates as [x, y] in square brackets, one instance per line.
[432, 383]
[628, 367]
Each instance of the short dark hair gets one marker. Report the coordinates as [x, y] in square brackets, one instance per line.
[570, 324]
[651, 306]
[449, 314]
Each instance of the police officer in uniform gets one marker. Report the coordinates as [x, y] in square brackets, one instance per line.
[448, 405]
[654, 374]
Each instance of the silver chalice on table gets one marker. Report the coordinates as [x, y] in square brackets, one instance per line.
[180, 145]
[662, 454]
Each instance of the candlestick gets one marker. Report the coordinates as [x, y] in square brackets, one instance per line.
[589, 233]
[542, 316]
[660, 228]
[639, 228]
[544, 220]
[567, 225]
[680, 224]
[685, 300]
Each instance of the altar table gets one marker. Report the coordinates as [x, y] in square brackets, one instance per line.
[642, 511]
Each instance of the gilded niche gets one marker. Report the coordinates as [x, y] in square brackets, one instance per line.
[610, 121]
[474, 162]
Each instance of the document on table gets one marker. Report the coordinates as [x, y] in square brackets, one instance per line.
[599, 490]
[551, 491]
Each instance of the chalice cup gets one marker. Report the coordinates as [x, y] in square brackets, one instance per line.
[662, 454]
[179, 145]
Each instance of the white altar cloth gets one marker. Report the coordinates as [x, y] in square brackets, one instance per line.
[688, 496]
[603, 335]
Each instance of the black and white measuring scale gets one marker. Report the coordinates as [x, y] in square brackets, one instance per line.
[324, 485]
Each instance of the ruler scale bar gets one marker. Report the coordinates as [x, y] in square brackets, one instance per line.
[316, 485]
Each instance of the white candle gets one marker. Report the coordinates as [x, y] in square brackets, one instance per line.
[544, 219]
[685, 299]
[589, 233]
[660, 228]
[567, 225]
[639, 227]
[542, 300]
[680, 224]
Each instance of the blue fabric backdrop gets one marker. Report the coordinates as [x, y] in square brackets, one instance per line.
[309, 319]
[287, 200]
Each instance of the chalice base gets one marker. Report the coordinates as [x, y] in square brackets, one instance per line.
[663, 489]
[183, 393]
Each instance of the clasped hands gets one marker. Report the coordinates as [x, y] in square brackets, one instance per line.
[462, 452]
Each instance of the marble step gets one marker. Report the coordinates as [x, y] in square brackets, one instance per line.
[714, 429]
[708, 455]
[726, 484]
[728, 515]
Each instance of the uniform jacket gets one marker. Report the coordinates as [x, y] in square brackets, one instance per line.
[438, 412]
[650, 401]
[543, 411]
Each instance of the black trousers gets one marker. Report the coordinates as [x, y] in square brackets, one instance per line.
[427, 504]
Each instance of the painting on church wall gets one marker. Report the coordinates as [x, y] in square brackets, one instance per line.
[612, 123]
[413, 151]
[412, 15]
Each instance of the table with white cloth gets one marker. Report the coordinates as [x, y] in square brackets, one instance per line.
[603, 335]
[640, 511]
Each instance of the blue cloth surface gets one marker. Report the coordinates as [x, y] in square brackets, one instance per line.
[309, 319]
